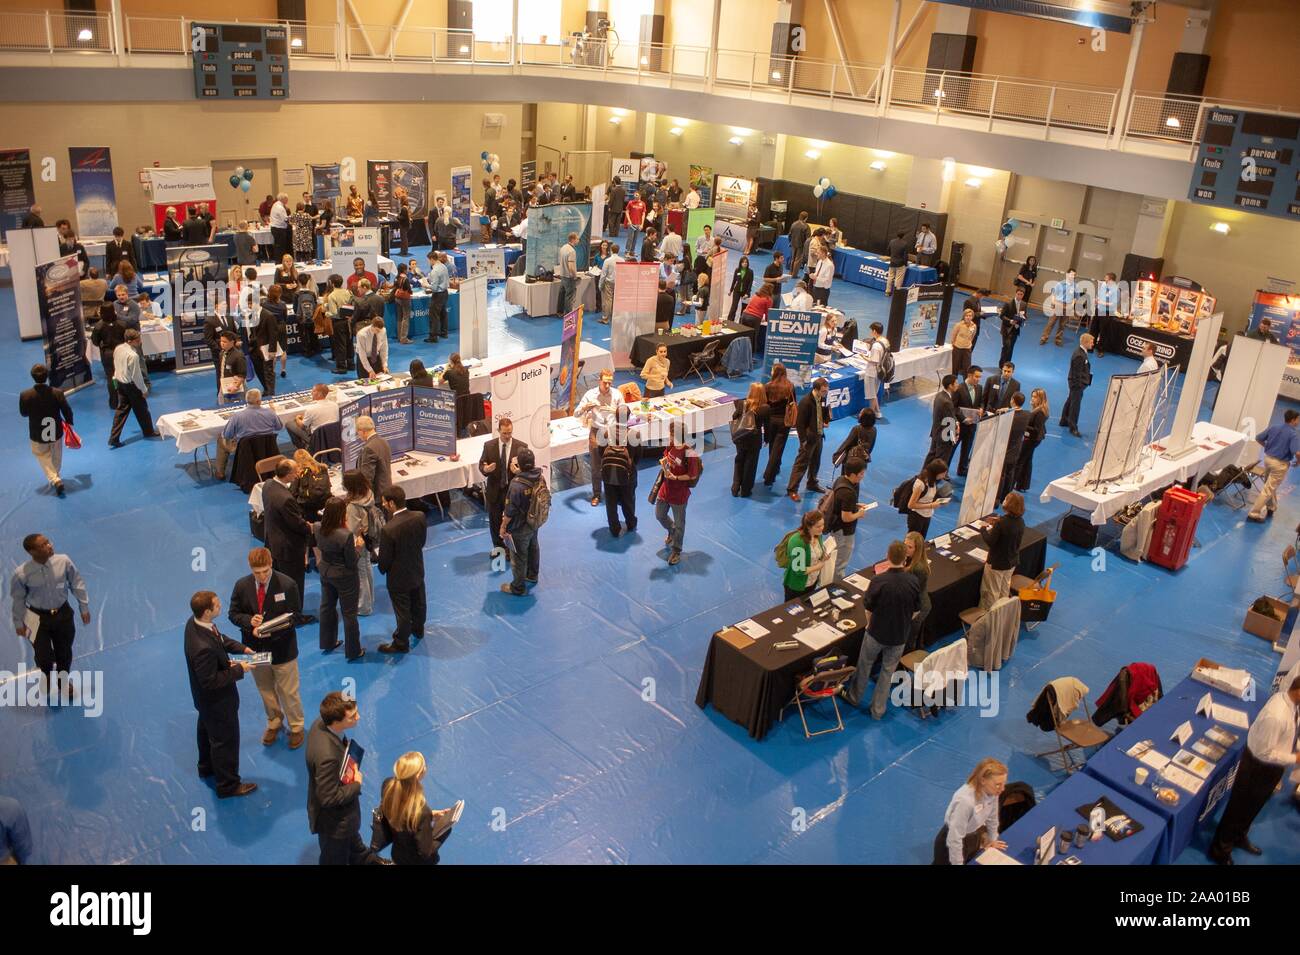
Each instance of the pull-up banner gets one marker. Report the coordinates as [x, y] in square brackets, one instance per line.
[58, 290]
[792, 341]
[323, 181]
[379, 183]
[17, 195]
[409, 180]
[462, 205]
[548, 229]
[93, 195]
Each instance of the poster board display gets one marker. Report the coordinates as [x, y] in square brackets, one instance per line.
[701, 179]
[598, 209]
[356, 242]
[792, 341]
[349, 412]
[1283, 312]
[27, 248]
[636, 290]
[17, 192]
[433, 420]
[182, 187]
[93, 195]
[522, 393]
[1189, 400]
[548, 229]
[394, 418]
[409, 180]
[921, 320]
[1169, 306]
[379, 184]
[570, 342]
[734, 235]
[1122, 428]
[1248, 393]
[58, 285]
[696, 220]
[652, 170]
[717, 285]
[462, 205]
[481, 260]
[733, 196]
[473, 317]
[528, 174]
[979, 496]
[323, 182]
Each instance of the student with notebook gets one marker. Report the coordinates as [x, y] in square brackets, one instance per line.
[404, 819]
[334, 785]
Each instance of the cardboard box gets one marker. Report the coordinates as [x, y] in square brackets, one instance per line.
[1225, 679]
[1261, 625]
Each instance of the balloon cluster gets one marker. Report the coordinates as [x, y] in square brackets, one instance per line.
[242, 179]
[491, 161]
[824, 189]
[1008, 227]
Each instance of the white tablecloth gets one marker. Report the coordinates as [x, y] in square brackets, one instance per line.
[1217, 447]
[921, 362]
[155, 282]
[543, 298]
[155, 337]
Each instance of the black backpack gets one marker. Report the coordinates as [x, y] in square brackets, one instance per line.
[885, 370]
[1016, 800]
[903, 494]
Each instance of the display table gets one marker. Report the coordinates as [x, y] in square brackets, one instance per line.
[1118, 336]
[748, 681]
[543, 298]
[151, 252]
[1113, 766]
[847, 376]
[921, 362]
[156, 339]
[1216, 448]
[155, 283]
[457, 257]
[700, 409]
[1059, 809]
[871, 270]
[419, 328]
[681, 347]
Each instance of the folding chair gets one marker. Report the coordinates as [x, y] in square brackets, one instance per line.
[704, 360]
[1243, 488]
[817, 686]
[266, 467]
[1073, 734]
[915, 663]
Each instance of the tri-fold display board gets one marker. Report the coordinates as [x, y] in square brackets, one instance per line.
[409, 418]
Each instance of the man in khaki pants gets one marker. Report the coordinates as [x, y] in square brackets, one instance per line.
[256, 601]
[1281, 452]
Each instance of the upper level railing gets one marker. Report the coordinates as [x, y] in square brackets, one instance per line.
[1012, 105]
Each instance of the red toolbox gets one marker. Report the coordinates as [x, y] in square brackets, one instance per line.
[1175, 527]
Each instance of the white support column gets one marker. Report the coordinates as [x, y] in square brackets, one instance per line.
[1126, 91]
[119, 31]
[892, 46]
[340, 34]
[590, 114]
[514, 34]
[833, 16]
[397, 27]
[715, 30]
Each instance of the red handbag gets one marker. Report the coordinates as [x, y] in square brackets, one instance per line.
[71, 439]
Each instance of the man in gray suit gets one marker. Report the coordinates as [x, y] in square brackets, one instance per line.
[376, 458]
[333, 791]
[800, 234]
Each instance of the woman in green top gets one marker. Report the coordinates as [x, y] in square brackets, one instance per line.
[806, 555]
[919, 564]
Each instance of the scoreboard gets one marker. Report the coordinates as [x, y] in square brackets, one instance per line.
[240, 61]
[1249, 161]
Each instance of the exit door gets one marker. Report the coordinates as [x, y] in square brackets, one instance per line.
[233, 204]
[1055, 256]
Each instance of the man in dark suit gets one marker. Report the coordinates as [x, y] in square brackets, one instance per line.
[799, 235]
[287, 532]
[810, 423]
[969, 395]
[333, 806]
[1015, 441]
[231, 366]
[117, 250]
[376, 458]
[998, 391]
[1014, 315]
[46, 411]
[213, 326]
[194, 230]
[944, 422]
[264, 595]
[614, 213]
[665, 307]
[401, 561]
[212, 685]
[494, 465]
[1080, 378]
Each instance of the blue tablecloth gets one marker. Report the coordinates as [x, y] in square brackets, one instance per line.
[871, 270]
[1058, 809]
[420, 316]
[847, 395]
[782, 245]
[151, 253]
[457, 257]
[1114, 767]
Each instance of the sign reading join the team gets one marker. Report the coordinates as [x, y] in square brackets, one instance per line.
[792, 340]
[627, 170]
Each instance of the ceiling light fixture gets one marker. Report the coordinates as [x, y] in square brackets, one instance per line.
[676, 130]
[974, 182]
[1222, 228]
[736, 141]
[614, 120]
[878, 166]
[813, 154]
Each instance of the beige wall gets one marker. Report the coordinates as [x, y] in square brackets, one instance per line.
[706, 144]
[848, 167]
[1231, 266]
[294, 134]
[974, 215]
[619, 141]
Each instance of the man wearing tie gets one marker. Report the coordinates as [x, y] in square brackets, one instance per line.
[213, 327]
[117, 250]
[42, 585]
[333, 806]
[1269, 753]
[401, 561]
[943, 422]
[998, 392]
[287, 532]
[1014, 315]
[232, 369]
[969, 396]
[212, 685]
[263, 595]
[926, 246]
[1079, 379]
[494, 464]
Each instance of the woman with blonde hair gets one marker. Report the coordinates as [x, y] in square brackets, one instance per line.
[970, 823]
[747, 423]
[312, 488]
[918, 564]
[404, 818]
[1035, 431]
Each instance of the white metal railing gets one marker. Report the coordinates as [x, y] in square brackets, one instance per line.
[1005, 102]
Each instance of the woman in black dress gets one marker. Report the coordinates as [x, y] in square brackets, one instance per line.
[1027, 276]
[1035, 431]
[750, 415]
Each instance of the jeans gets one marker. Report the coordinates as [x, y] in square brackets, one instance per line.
[365, 584]
[674, 525]
[403, 316]
[526, 559]
[298, 434]
[889, 657]
[843, 552]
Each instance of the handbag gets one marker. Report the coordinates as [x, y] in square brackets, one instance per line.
[380, 835]
[71, 439]
[746, 426]
[791, 414]
[655, 485]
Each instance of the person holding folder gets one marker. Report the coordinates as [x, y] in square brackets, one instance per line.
[404, 819]
[334, 785]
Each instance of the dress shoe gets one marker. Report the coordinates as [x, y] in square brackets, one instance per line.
[1245, 845]
[332, 647]
[507, 589]
[616, 531]
[393, 648]
[675, 557]
[153, 436]
[1075, 432]
[115, 444]
[1220, 858]
[243, 789]
[58, 489]
[793, 495]
[358, 656]
[284, 374]
[431, 341]
[269, 736]
[816, 489]
[295, 738]
[303, 619]
[735, 492]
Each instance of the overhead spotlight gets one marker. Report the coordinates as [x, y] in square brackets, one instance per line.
[813, 154]
[974, 182]
[878, 166]
[1222, 228]
[736, 141]
[1172, 122]
[85, 36]
[676, 130]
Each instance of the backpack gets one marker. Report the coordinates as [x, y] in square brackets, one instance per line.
[1016, 801]
[782, 553]
[695, 467]
[826, 507]
[903, 494]
[885, 370]
[539, 504]
[304, 305]
[617, 462]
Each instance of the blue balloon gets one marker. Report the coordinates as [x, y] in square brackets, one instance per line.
[234, 182]
[483, 154]
[245, 185]
[248, 176]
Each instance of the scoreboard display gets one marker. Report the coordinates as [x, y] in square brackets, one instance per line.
[240, 61]
[1249, 161]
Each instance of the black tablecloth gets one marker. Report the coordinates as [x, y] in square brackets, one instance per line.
[749, 681]
[1119, 337]
[681, 347]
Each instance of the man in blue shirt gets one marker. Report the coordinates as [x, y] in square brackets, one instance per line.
[42, 585]
[15, 833]
[1281, 451]
[439, 281]
[1061, 307]
[254, 418]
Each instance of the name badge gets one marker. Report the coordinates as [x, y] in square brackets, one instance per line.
[279, 598]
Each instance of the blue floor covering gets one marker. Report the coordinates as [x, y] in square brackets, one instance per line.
[537, 710]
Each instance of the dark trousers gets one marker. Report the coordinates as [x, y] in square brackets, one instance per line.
[916, 521]
[735, 304]
[1251, 790]
[53, 643]
[746, 467]
[348, 850]
[1008, 346]
[337, 592]
[438, 315]
[965, 440]
[620, 496]
[970, 846]
[410, 608]
[106, 362]
[310, 342]
[496, 505]
[597, 459]
[341, 344]
[940, 449]
[280, 240]
[792, 594]
[218, 734]
[775, 451]
[960, 361]
[1070, 412]
[264, 368]
[821, 296]
[526, 560]
[130, 399]
[1025, 466]
[808, 460]
[295, 568]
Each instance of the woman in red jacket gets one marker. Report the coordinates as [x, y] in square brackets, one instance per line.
[755, 314]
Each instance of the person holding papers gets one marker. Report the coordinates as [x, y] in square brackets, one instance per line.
[266, 339]
[263, 606]
[372, 348]
[823, 274]
[334, 785]
[970, 823]
[1003, 542]
[1270, 752]
[213, 676]
[806, 554]
[598, 406]
[404, 818]
[969, 400]
[892, 597]
[232, 367]
[401, 561]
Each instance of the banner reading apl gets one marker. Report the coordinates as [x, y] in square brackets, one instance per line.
[93, 195]
[792, 341]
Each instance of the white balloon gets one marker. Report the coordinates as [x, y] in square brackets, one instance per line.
[239, 171]
[818, 190]
[496, 167]
[824, 181]
[495, 158]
